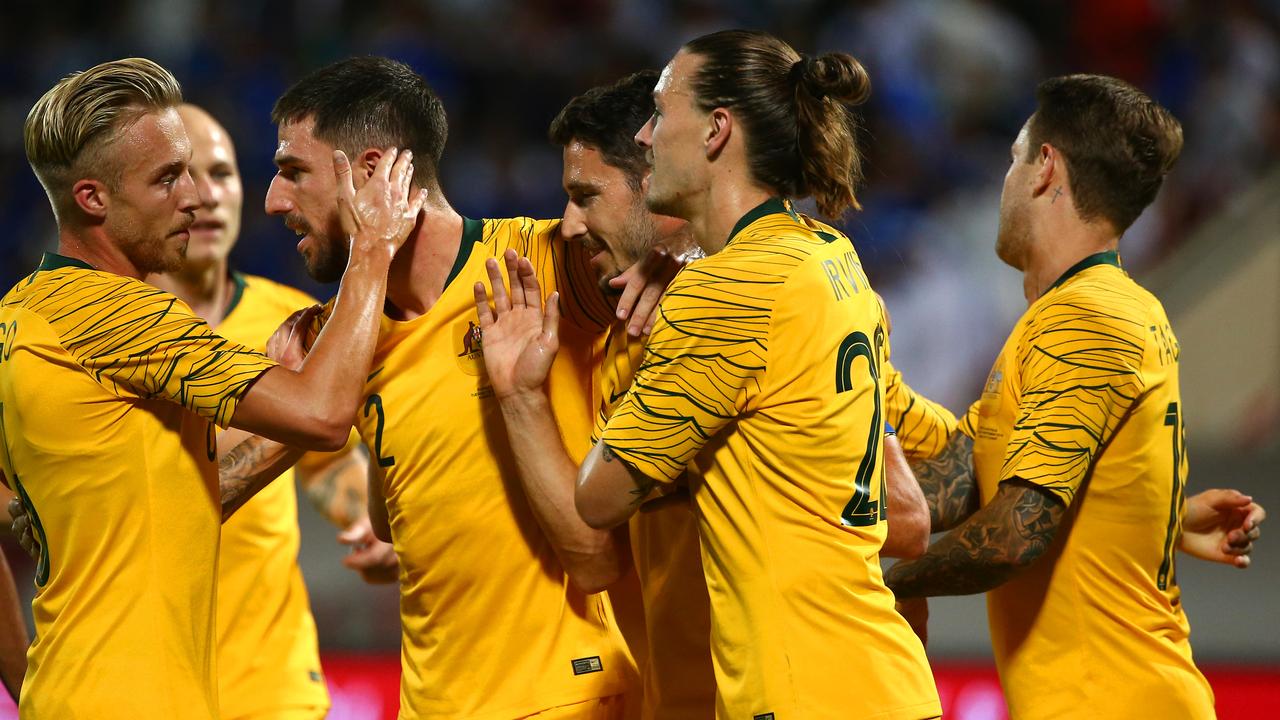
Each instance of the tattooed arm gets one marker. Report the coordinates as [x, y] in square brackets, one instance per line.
[985, 550]
[609, 489]
[948, 482]
[335, 483]
[248, 466]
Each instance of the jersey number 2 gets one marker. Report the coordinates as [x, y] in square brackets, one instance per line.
[375, 403]
[862, 511]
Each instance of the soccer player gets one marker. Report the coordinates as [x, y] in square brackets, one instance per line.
[110, 390]
[762, 366]
[501, 613]
[604, 174]
[1063, 489]
[268, 659]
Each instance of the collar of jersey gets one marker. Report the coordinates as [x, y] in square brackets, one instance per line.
[238, 284]
[1110, 257]
[472, 233]
[53, 261]
[771, 206]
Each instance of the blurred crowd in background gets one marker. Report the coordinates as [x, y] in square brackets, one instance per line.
[953, 82]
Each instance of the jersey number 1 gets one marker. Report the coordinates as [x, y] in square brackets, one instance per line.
[862, 511]
[1166, 576]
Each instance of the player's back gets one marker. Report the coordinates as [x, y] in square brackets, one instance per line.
[1096, 628]
[268, 656]
[766, 357]
[120, 483]
[491, 625]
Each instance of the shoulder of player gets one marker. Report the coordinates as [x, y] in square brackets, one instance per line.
[1105, 309]
[501, 232]
[63, 291]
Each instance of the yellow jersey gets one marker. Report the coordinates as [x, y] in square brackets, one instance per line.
[762, 373]
[109, 393]
[678, 680]
[491, 627]
[1083, 401]
[268, 658]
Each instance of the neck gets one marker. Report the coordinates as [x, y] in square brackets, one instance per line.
[418, 272]
[1056, 246]
[92, 245]
[717, 210]
[207, 289]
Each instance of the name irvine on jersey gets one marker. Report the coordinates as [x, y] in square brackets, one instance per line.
[844, 275]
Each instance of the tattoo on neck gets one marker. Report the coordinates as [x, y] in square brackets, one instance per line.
[1056, 192]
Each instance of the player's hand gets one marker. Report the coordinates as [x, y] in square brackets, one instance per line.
[642, 286]
[373, 559]
[519, 338]
[21, 527]
[916, 612]
[288, 344]
[380, 216]
[1220, 526]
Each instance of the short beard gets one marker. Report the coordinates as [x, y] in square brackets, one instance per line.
[150, 256]
[328, 259]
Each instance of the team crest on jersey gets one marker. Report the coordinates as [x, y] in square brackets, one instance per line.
[989, 405]
[468, 350]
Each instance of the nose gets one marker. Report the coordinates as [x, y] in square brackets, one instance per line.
[208, 191]
[573, 226]
[644, 138]
[188, 196]
[277, 202]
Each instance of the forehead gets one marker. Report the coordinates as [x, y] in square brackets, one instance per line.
[210, 142]
[297, 139]
[675, 77]
[155, 138]
[584, 164]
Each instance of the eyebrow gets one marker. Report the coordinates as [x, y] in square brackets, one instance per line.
[579, 186]
[168, 168]
[287, 159]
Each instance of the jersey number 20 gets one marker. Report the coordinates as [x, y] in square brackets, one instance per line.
[861, 510]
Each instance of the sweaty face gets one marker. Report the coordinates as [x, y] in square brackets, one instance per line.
[217, 179]
[1014, 235]
[304, 192]
[152, 206]
[673, 138]
[604, 213]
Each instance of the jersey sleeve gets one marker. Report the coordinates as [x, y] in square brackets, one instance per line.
[922, 425]
[1080, 369]
[702, 365]
[137, 340]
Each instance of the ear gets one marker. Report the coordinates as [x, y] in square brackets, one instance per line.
[719, 129]
[1050, 170]
[363, 165]
[92, 197]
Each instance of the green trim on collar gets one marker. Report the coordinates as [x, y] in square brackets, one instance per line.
[237, 293]
[769, 207]
[1110, 257]
[472, 233]
[53, 261]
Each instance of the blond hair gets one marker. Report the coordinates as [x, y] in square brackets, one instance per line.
[71, 123]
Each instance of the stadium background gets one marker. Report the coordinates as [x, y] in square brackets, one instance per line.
[953, 82]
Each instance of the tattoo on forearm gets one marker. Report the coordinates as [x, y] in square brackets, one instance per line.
[238, 470]
[607, 453]
[948, 483]
[987, 549]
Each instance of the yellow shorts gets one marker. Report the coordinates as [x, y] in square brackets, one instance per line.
[605, 708]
